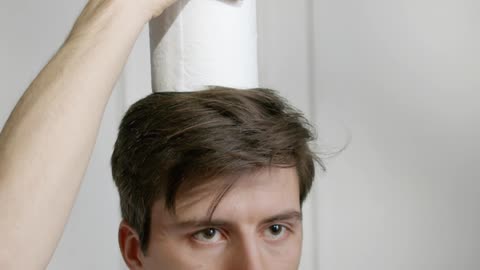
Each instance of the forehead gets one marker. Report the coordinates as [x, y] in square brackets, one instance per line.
[252, 197]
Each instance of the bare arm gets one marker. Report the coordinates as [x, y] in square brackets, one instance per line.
[46, 143]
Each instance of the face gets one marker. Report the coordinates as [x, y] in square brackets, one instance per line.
[256, 225]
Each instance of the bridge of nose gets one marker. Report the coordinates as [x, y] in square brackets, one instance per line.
[246, 253]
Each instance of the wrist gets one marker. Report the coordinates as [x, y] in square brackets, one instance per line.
[135, 11]
[144, 10]
[138, 10]
[100, 16]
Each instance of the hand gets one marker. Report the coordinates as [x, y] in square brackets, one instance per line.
[150, 8]
[143, 10]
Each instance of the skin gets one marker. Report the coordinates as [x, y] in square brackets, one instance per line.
[256, 225]
[41, 171]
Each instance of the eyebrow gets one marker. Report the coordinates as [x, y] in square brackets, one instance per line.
[289, 215]
[293, 215]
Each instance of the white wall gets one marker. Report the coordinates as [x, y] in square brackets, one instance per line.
[404, 76]
[400, 76]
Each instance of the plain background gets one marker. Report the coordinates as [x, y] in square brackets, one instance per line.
[400, 77]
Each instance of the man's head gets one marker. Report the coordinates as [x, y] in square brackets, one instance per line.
[212, 179]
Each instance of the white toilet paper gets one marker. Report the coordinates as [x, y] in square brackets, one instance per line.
[196, 43]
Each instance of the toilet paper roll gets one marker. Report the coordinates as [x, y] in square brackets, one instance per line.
[196, 43]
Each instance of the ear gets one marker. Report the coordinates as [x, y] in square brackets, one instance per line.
[130, 246]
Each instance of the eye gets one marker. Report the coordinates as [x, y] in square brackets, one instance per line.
[208, 236]
[276, 232]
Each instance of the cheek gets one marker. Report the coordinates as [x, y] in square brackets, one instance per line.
[285, 256]
[180, 255]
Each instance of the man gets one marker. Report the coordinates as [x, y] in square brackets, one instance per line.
[207, 180]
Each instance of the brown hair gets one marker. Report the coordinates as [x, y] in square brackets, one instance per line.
[172, 139]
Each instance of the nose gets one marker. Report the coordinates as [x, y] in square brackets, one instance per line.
[246, 255]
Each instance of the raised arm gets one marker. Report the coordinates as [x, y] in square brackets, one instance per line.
[47, 141]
